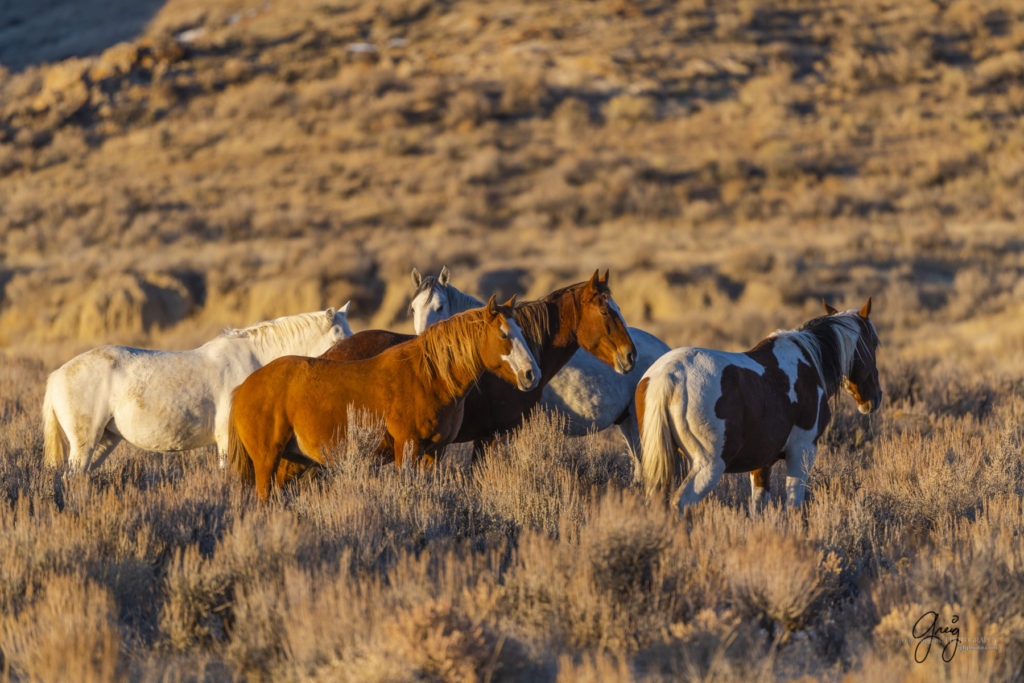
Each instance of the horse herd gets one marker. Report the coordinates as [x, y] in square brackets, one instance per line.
[275, 397]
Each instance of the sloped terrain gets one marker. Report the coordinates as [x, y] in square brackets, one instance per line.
[730, 162]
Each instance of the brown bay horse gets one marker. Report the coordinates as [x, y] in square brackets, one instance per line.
[711, 412]
[297, 408]
[583, 315]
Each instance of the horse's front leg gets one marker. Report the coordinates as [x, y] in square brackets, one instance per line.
[220, 434]
[799, 459]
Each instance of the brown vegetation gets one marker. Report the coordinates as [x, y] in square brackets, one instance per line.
[732, 162]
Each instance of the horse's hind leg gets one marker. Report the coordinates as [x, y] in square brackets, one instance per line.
[760, 484]
[705, 473]
[88, 443]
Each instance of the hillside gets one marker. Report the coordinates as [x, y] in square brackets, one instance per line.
[731, 162]
[244, 160]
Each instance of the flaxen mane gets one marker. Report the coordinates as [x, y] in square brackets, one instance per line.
[450, 348]
[289, 328]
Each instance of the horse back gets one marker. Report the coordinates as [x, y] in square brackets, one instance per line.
[365, 344]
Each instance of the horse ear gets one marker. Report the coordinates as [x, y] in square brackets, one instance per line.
[443, 277]
[492, 308]
[330, 314]
[594, 280]
[829, 310]
[511, 303]
[344, 309]
[416, 278]
[604, 280]
[865, 310]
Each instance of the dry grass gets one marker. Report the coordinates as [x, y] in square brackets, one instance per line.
[731, 162]
[540, 561]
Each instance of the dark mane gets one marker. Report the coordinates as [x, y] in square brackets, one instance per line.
[832, 335]
[535, 318]
[427, 283]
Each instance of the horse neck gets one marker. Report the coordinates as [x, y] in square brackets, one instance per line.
[274, 343]
[555, 340]
[451, 383]
[808, 347]
[459, 301]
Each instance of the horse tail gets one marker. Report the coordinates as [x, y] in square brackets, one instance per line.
[657, 443]
[237, 454]
[55, 441]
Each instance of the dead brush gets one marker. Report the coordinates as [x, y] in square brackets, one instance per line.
[68, 633]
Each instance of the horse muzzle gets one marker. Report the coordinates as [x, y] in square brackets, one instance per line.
[625, 361]
[868, 407]
[527, 379]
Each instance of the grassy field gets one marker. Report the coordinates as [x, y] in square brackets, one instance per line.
[731, 162]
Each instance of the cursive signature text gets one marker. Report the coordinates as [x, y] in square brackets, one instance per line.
[927, 630]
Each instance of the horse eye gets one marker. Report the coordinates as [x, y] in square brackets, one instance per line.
[604, 312]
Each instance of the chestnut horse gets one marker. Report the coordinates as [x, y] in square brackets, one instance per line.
[298, 405]
[741, 412]
[556, 326]
[590, 394]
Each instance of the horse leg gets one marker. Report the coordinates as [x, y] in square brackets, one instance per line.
[108, 440]
[760, 483]
[704, 474]
[84, 443]
[630, 430]
[220, 434]
[799, 458]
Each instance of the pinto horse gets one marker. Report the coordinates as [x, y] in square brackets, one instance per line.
[741, 412]
[583, 315]
[298, 407]
[167, 400]
[590, 394]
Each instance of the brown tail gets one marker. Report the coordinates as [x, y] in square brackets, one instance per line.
[239, 457]
[55, 441]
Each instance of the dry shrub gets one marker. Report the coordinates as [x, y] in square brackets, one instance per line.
[68, 633]
[195, 603]
[435, 640]
[539, 475]
[783, 581]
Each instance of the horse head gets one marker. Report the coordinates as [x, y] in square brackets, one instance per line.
[861, 380]
[338, 321]
[431, 301]
[601, 329]
[503, 349]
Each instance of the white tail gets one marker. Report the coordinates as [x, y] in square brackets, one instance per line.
[55, 441]
[657, 444]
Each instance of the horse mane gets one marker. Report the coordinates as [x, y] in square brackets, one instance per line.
[450, 347]
[279, 331]
[535, 321]
[831, 343]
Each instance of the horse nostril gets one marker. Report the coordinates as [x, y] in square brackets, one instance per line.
[631, 357]
[529, 376]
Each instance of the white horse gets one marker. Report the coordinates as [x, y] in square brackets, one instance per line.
[588, 392]
[168, 400]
